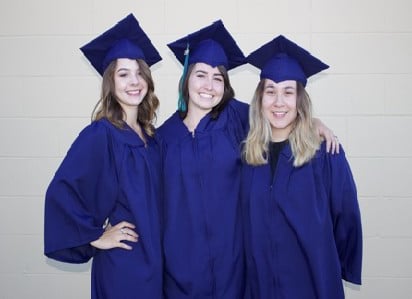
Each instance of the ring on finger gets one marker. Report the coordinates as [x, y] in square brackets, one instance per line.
[123, 230]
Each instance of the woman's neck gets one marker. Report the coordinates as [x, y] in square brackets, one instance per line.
[279, 139]
[279, 135]
[193, 118]
[130, 115]
[131, 120]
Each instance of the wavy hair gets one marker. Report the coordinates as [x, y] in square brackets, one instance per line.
[108, 106]
[304, 139]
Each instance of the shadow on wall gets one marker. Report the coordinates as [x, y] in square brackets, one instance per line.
[353, 287]
[75, 268]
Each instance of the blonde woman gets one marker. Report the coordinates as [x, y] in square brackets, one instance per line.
[301, 217]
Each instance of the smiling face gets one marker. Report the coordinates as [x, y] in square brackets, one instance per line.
[206, 88]
[130, 87]
[279, 107]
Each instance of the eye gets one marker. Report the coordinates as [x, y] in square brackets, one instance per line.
[269, 91]
[122, 74]
[218, 79]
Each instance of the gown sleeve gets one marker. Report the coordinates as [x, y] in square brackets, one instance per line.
[238, 123]
[346, 218]
[80, 197]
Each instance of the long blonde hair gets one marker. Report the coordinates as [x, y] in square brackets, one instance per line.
[109, 107]
[303, 139]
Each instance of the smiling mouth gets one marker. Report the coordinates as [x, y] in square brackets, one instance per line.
[206, 95]
[133, 92]
[279, 114]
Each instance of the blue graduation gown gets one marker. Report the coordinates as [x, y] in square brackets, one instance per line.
[108, 173]
[302, 228]
[202, 226]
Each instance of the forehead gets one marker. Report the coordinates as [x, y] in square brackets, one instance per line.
[283, 84]
[126, 63]
[204, 67]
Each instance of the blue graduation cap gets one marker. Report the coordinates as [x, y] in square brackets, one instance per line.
[124, 40]
[213, 45]
[282, 59]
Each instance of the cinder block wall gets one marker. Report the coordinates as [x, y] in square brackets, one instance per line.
[48, 90]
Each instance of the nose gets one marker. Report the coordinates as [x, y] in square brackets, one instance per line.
[278, 100]
[134, 80]
[208, 83]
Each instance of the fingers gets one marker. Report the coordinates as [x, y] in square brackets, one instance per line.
[128, 234]
[124, 224]
[115, 236]
[335, 146]
[328, 145]
[332, 145]
[126, 237]
[332, 142]
[124, 246]
[126, 229]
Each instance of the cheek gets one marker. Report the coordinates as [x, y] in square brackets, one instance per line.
[143, 82]
[192, 82]
[291, 102]
[191, 91]
[119, 84]
[220, 92]
[220, 87]
[294, 111]
[191, 86]
[266, 113]
[266, 103]
[117, 87]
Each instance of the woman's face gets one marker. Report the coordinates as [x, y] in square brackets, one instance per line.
[130, 87]
[206, 87]
[279, 107]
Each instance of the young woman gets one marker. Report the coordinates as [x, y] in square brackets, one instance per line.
[203, 247]
[301, 217]
[202, 234]
[103, 202]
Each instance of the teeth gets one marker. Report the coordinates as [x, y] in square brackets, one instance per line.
[205, 95]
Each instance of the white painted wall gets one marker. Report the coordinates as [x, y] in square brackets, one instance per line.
[48, 90]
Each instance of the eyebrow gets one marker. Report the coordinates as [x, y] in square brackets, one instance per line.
[270, 85]
[205, 72]
[122, 69]
[125, 69]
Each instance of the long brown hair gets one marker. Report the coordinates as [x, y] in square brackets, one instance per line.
[108, 106]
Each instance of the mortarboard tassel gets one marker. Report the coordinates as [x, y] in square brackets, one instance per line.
[181, 103]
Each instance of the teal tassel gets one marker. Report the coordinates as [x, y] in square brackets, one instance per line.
[181, 103]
